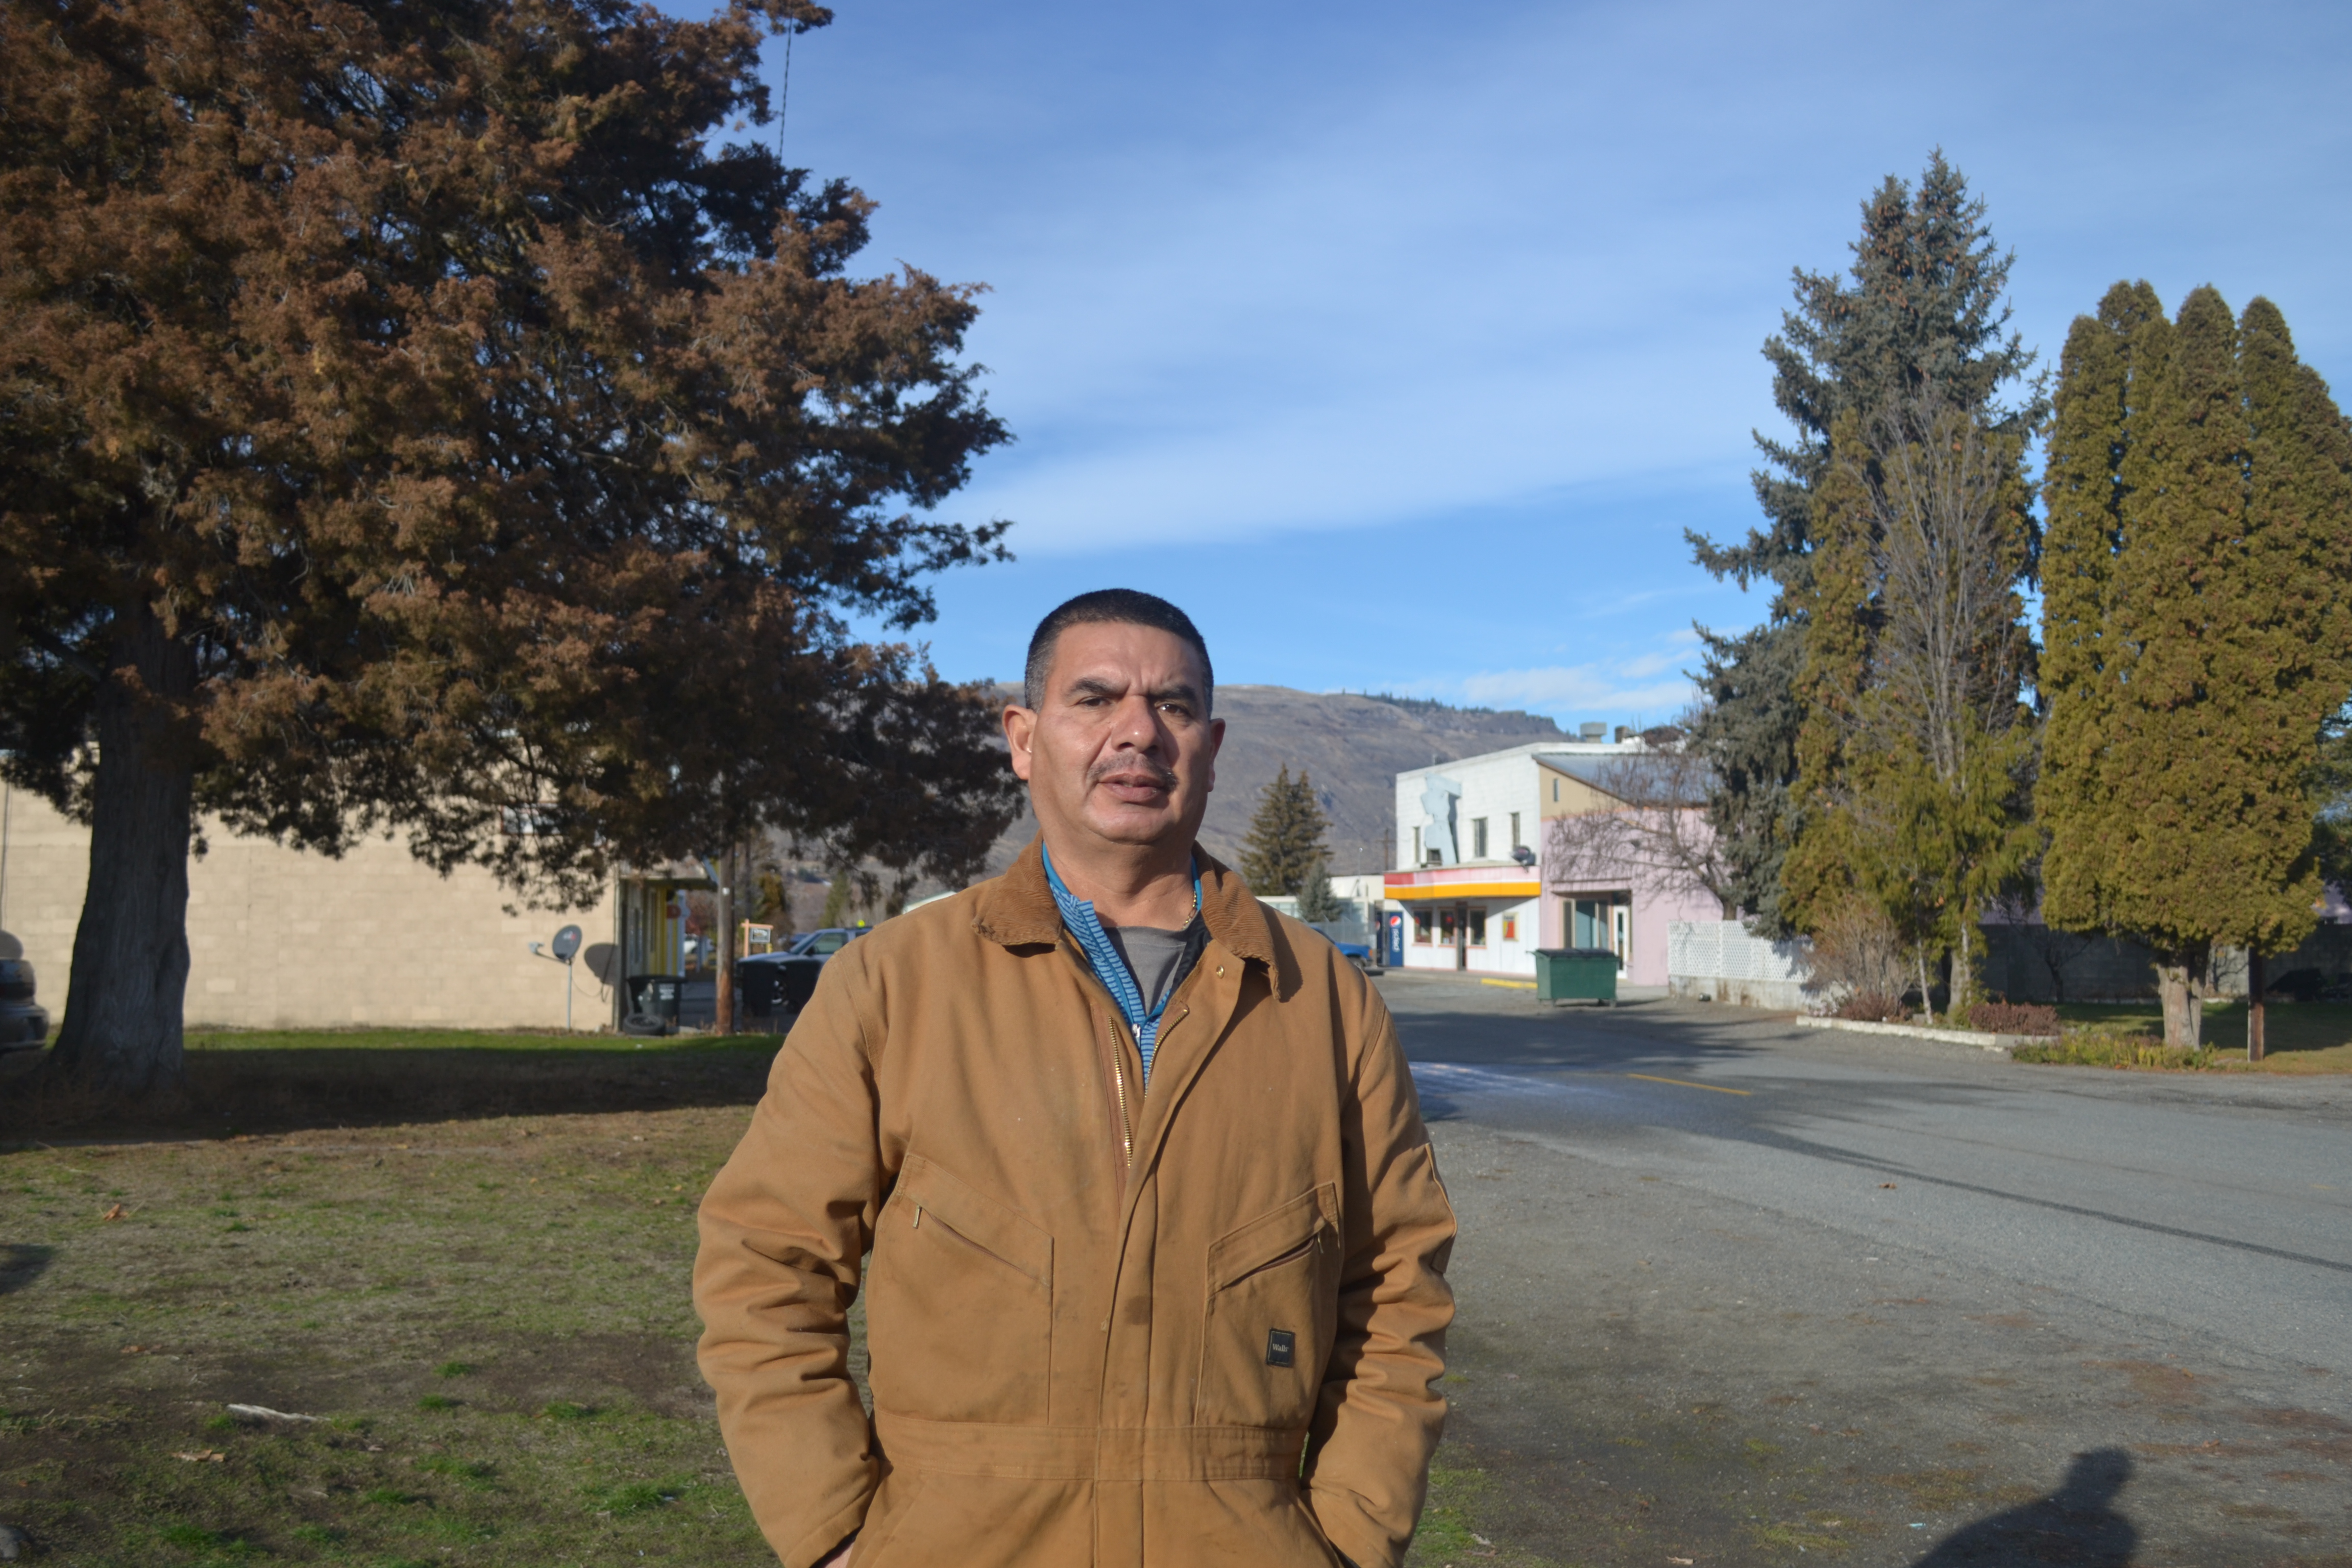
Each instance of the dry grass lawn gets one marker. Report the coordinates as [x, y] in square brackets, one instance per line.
[464, 1255]
[485, 1308]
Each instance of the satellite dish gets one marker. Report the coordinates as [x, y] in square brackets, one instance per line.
[567, 942]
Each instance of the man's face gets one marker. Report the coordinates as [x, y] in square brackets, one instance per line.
[1120, 748]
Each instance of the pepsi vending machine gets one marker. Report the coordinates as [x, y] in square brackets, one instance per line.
[1392, 938]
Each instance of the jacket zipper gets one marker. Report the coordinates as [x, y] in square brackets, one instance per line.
[1119, 1082]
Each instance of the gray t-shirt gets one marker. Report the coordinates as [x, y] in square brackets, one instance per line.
[1155, 958]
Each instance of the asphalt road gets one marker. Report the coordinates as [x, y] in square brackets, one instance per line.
[1733, 1291]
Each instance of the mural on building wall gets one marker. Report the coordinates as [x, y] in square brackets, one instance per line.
[1439, 798]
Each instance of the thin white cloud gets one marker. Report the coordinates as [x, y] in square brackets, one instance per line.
[1605, 692]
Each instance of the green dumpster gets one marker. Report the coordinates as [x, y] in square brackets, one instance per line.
[1576, 975]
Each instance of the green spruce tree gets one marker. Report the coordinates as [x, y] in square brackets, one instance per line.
[2206, 481]
[1285, 837]
[1922, 302]
[1317, 901]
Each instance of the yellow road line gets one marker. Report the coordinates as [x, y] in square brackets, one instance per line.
[1686, 1083]
[1514, 984]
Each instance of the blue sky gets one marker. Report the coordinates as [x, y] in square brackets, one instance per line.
[1400, 343]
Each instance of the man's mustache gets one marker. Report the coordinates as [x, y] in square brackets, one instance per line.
[1133, 770]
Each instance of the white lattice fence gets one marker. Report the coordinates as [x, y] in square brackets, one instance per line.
[1718, 961]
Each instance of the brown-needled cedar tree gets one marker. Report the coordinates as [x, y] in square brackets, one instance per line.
[423, 418]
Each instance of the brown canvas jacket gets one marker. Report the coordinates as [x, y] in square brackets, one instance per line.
[1106, 1326]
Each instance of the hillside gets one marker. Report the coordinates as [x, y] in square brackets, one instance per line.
[1351, 746]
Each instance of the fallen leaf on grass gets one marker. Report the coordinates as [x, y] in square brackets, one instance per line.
[1882, 1185]
[208, 1457]
[133, 1350]
[1686, 1561]
[116, 1212]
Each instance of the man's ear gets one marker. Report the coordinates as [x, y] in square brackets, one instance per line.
[1020, 733]
[1217, 744]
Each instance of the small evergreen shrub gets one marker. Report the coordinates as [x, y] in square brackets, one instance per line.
[2013, 1019]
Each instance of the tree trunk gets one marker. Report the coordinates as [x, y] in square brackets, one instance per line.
[1964, 976]
[1927, 998]
[2176, 985]
[121, 1036]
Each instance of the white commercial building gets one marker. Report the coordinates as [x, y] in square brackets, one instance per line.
[1475, 890]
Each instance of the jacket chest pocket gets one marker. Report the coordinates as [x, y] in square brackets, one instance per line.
[960, 1304]
[1272, 1308]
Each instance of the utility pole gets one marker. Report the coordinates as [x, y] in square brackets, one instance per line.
[2253, 1005]
[723, 944]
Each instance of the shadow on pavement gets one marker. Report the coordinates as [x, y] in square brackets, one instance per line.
[2074, 1527]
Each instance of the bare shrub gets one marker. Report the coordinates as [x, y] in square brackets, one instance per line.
[1999, 1018]
[1857, 957]
[1870, 1007]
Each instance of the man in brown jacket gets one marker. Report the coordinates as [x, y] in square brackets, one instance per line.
[1158, 1242]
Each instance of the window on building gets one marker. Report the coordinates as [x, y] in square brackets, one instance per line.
[1604, 922]
[1421, 925]
[1517, 842]
[1478, 837]
[1416, 845]
[1511, 928]
[1478, 926]
[1555, 790]
[1448, 927]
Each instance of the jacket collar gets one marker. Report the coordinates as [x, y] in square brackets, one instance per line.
[1017, 909]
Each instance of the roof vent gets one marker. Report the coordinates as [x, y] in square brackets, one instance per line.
[1591, 732]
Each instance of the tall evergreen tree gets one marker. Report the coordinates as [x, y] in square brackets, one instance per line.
[1923, 301]
[1913, 753]
[1285, 837]
[2200, 491]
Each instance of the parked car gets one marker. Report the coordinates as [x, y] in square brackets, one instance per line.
[24, 1022]
[769, 984]
[824, 943]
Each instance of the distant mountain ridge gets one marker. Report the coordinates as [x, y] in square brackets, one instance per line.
[1352, 745]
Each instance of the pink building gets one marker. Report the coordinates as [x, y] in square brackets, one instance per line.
[1569, 844]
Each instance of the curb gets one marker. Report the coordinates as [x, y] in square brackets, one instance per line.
[2003, 1044]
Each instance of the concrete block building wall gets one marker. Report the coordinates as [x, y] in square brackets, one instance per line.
[281, 939]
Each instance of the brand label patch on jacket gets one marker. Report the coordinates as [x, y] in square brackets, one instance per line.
[1281, 1347]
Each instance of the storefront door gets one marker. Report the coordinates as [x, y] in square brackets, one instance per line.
[1602, 921]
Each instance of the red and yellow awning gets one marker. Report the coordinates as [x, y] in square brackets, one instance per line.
[1417, 893]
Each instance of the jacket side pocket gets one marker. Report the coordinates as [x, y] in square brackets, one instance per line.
[1272, 1313]
[960, 1303]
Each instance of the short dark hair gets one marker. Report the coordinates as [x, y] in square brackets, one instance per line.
[1112, 606]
